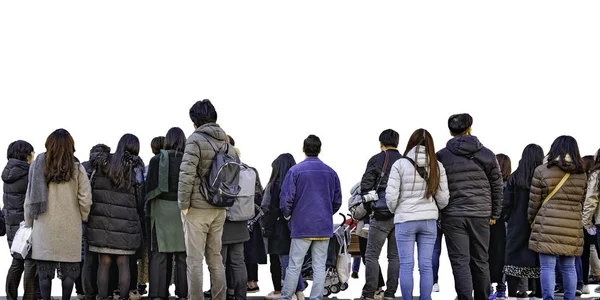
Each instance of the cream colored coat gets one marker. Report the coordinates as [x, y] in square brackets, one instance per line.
[57, 233]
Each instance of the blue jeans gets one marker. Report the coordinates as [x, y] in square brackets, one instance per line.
[356, 265]
[437, 251]
[298, 251]
[578, 269]
[284, 260]
[424, 233]
[547, 275]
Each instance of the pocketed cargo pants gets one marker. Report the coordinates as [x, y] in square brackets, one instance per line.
[467, 241]
[203, 230]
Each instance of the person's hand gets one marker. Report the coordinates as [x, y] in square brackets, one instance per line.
[591, 230]
[492, 222]
[287, 218]
[185, 211]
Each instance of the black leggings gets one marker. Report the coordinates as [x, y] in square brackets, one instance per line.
[105, 260]
[275, 272]
[252, 271]
[513, 285]
[67, 273]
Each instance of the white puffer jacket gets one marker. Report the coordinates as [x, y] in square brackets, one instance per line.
[405, 192]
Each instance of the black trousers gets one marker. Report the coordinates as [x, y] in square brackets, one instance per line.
[160, 271]
[588, 241]
[275, 271]
[362, 245]
[252, 270]
[235, 270]
[27, 269]
[467, 240]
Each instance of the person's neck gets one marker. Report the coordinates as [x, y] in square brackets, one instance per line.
[386, 148]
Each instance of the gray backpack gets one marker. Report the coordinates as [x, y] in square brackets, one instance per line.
[243, 206]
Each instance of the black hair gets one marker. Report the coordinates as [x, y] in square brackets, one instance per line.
[100, 148]
[312, 146]
[281, 165]
[389, 138]
[175, 140]
[562, 147]
[129, 144]
[19, 150]
[203, 112]
[459, 123]
[157, 144]
[532, 157]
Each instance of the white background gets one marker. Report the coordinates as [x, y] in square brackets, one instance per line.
[276, 71]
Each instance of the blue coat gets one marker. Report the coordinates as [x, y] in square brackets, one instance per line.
[310, 195]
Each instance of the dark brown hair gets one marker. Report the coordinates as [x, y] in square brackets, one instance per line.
[422, 138]
[60, 158]
[505, 165]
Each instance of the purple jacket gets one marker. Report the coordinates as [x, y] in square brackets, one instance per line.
[310, 194]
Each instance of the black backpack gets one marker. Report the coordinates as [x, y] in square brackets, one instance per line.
[221, 188]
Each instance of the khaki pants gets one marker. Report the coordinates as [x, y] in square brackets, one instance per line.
[203, 229]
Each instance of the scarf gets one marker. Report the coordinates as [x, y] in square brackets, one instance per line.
[159, 184]
[37, 189]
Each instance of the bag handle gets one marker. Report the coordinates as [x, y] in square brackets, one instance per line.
[556, 188]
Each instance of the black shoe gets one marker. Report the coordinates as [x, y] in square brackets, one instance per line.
[523, 295]
[559, 290]
[208, 295]
[354, 275]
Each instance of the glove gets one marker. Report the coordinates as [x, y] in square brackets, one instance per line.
[591, 230]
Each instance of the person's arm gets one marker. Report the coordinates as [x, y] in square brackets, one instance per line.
[535, 196]
[371, 175]
[287, 195]
[84, 193]
[442, 195]
[394, 183]
[28, 220]
[590, 205]
[497, 189]
[187, 173]
[337, 195]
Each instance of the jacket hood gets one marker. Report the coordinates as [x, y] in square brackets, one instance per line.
[420, 154]
[566, 165]
[464, 145]
[213, 130]
[15, 169]
[129, 160]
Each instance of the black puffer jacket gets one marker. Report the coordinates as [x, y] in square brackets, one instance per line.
[114, 221]
[15, 186]
[474, 179]
[371, 176]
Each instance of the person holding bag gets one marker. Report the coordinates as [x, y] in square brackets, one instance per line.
[555, 214]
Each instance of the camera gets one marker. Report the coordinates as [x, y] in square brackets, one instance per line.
[370, 196]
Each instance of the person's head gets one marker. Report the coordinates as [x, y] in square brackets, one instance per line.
[532, 157]
[505, 166]
[565, 151]
[60, 157]
[389, 139]
[281, 166]
[157, 144]
[129, 145]
[203, 112]
[175, 140]
[312, 146]
[588, 163]
[422, 138]
[20, 150]
[460, 124]
[100, 148]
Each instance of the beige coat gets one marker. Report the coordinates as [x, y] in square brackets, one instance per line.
[590, 207]
[57, 233]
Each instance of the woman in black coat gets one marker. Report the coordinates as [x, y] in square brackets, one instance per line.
[254, 250]
[498, 237]
[520, 262]
[20, 155]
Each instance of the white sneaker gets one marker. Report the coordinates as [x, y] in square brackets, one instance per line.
[365, 228]
[299, 295]
[585, 289]
[273, 296]
[436, 287]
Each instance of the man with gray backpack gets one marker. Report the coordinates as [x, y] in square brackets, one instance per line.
[208, 184]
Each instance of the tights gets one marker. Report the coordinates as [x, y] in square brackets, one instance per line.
[513, 285]
[46, 287]
[105, 261]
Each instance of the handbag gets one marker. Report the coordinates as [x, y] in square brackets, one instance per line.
[556, 188]
[379, 207]
[22, 241]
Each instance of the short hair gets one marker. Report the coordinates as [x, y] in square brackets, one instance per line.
[459, 123]
[312, 145]
[389, 137]
[231, 140]
[19, 150]
[100, 148]
[157, 144]
[203, 112]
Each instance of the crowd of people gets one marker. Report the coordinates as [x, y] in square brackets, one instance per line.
[114, 227]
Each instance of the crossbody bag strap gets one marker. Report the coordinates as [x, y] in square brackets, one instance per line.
[382, 174]
[552, 193]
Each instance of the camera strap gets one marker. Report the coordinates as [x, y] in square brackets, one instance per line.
[385, 163]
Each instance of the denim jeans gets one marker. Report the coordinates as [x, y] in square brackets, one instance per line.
[424, 233]
[356, 265]
[284, 260]
[578, 270]
[379, 232]
[547, 275]
[298, 251]
[437, 251]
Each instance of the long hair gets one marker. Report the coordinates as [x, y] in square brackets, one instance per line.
[565, 146]
[175, 140]
[129, 144]
[505, 165]
[422, 138]
[532, 157]
[588, 164]
[281, 165]
[60, 158]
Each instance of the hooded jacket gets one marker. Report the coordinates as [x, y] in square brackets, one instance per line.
[474, 179]
[15, 186]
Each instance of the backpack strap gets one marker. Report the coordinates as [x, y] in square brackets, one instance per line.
[552, 193]
[422, 171]
[383, 168]
[212, 143]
